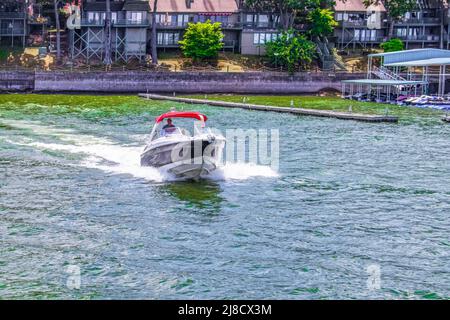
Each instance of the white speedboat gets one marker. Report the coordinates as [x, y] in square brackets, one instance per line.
[181, 153]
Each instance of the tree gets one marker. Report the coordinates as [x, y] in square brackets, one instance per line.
[291, 50]
[202, 40]
[107, 60]
[395, 8]
[154, 40]
[58, 30]
[288, 11]
[322, 22]
[392, 45]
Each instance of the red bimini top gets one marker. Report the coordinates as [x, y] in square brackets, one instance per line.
[182, 114]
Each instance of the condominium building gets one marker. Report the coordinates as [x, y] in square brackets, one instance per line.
[173, 17]
[13, 23]
[129, 30]
[361, 27]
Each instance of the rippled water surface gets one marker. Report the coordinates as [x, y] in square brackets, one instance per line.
[348, 198]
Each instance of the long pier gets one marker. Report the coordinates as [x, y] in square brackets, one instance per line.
[299, 111]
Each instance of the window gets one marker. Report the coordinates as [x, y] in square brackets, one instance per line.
[136, 17]
[260, 38]
[365, 35]
[250, 18]
[161, 18]
[221, 19]
[96, 16]
[339, 17]
[168, 38]
[182, 20]
[263, 20]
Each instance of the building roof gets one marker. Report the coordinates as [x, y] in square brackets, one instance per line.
[101, 6]
[421, 63]
[415, 57]
[219, 6]
[136, 5]
[357, 6]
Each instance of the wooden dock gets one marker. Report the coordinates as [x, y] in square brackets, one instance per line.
[299, 111]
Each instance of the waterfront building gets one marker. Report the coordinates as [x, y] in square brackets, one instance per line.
[173, 17]
[359, 27]
[13, 23]
[129, 30]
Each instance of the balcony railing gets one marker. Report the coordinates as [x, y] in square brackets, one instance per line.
[419, 37]
[131, 23]
[12, 15]
[261, 25]
[12, 32]
[176, 25]
[354, 23]
[226, 44]
[92, 23]
[363, 40]
[116, 23]
[428, 20]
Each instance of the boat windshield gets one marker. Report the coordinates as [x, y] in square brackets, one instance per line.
[170, 131]
[200, 128]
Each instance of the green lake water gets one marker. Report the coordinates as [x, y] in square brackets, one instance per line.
[348, 198]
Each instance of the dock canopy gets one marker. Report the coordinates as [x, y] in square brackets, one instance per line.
[182, 114]
[410, 56]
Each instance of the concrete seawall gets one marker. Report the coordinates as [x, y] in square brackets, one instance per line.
[168, 82]
[16, 81]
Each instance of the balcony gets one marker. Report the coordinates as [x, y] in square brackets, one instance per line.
[420, 38]
[363, 40]
[354, 23]
[184, 25]
[92, 22]
[129, 23]
[12, 15]
[12, 32]
[417, 21]
[227, 44]
[261, 25]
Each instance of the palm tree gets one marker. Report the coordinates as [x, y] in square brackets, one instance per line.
[154, 35]
[107, 59]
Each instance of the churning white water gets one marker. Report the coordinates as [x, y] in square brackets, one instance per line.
[106, 155]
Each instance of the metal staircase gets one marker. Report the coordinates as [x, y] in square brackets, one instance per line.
[327, 58]
[386, 74]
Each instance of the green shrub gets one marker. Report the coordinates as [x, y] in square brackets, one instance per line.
[392, 45]
[202, 40]
[291, 50]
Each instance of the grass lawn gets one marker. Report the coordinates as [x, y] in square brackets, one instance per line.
[329, 103]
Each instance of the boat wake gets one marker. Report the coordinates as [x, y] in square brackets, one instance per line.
[106, 155]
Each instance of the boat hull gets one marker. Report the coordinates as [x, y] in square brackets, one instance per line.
[189, 159]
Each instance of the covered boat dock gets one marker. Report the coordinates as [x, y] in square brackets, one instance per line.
[382, 89]
[408, 72]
